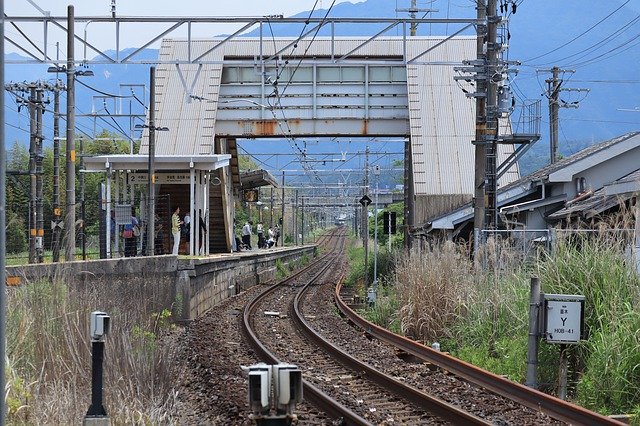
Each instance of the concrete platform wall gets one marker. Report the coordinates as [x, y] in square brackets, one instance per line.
[187, 287]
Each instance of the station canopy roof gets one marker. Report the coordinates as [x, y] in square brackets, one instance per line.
[256, 179]
[161, 162]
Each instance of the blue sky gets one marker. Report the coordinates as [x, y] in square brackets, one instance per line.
[102, 37]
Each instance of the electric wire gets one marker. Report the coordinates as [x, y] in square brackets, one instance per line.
[579, 35]
[599, 44]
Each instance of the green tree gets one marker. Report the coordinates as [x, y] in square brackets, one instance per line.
[16, 233]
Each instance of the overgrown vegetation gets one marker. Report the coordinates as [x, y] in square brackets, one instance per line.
[480, 312]
[49, 356]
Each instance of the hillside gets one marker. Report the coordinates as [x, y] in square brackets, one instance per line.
[604, 54]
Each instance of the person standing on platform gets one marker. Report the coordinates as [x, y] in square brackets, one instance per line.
[130, 235]
[246, 234]
[260, 232]
[175, 229]
[276, 235]
[203, 233]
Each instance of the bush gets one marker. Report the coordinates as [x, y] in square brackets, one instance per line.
[16, 235]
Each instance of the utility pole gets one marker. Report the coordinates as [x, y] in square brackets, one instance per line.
[553, 93]
[36, 217]
[412, 14]
[494, 79]
[70, 214]
[39, 175]
[151, 211]
[554, 87]
[481, 125]
[56, 172]
[32, 173]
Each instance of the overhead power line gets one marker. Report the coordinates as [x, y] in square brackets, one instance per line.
[579, 35]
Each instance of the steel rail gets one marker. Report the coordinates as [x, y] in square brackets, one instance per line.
[437, 406]
[532, 398]
[311, 393]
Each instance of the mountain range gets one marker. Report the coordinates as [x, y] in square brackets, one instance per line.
[598, 40]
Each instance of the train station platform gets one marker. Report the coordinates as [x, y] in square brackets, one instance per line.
[186, 285]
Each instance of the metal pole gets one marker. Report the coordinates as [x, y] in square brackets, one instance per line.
[532, 346]
[56, 173]
[151, 211]
[271, 211]
[282, 217]
[365, 220]
[97, 356]
[302, 220]
[32, 174]
[39, 175]
[83, 227]
[3, 213]
[70, 214]
[295, 220]
[554, 92]
[481, 125]
[389, 231]
[493, 82]
[375, 240]
[562, 373]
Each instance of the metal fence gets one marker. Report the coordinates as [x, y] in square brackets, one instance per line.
[91, 231]
[505, 248]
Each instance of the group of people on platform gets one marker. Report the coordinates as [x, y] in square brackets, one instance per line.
[180, 229]
[271, 240]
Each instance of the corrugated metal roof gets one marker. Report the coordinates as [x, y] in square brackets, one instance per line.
[442, 121]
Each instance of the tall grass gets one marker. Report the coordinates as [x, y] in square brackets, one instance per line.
[432, 286]
[609, 360]
[481, 314]
[49, 355]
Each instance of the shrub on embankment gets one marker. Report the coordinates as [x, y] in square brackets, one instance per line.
[49, 354]
[481, 315]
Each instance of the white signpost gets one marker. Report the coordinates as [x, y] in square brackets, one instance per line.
[564, 324]
[563, 318]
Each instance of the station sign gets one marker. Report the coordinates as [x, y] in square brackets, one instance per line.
[142, 178]
[563, 318]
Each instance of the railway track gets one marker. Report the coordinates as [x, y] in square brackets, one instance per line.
[298, 322]
[553, 407]
[282, 328]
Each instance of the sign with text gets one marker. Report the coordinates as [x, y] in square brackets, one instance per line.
[564, 318]
[250, 195]
[142, 178]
